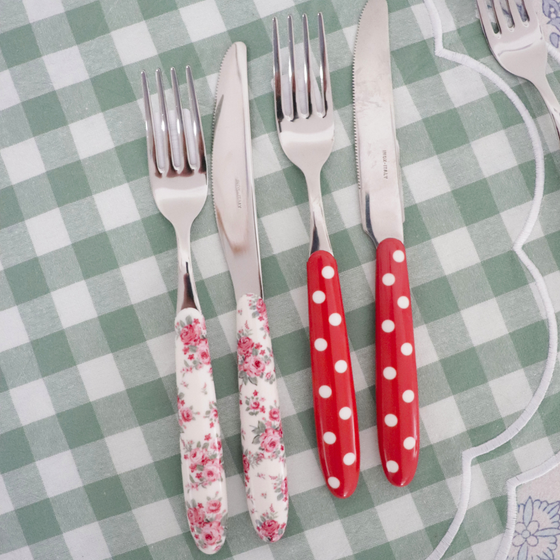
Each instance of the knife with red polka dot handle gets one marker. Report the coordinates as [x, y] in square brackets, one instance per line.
[336, 418]
[382, 213]
[396, 380]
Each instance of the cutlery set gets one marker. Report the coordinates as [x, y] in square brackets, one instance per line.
[305, 123]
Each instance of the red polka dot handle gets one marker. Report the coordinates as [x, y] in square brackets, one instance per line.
[396, 381]
[336, 419]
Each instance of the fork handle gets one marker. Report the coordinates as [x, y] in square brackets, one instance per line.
[336, 418]
[204, 481]
[396, 381]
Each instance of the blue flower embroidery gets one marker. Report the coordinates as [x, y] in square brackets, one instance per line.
[536, 530]
[551, 9]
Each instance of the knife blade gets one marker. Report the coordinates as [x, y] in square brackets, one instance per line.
[264, 456]
[382, 212]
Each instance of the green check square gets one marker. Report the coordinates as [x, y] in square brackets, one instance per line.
[160, 233]
[137, 554]
[446, 131]
[95, 255]
[38, 521]
[107, 497]
[150, 401]
[169, 471]
[475, 202]
[133, 158]
[19, 45]
[113, 89]
[435, 299]
[415, 62]
[122, 328]
[53, 34]
[80, 425]
[505, 273]
[10, 211]
[73, 509]
[14, 450]
[87, 22]
[53, 353]
[291, 352]
[463, 370]
[152, 9]
[255, 36]
[44, 113]
[27, 280]
[531, 343]
[69, 183]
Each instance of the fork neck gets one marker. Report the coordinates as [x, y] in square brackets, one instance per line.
[187, 296]
[550, 100]
[319, 236]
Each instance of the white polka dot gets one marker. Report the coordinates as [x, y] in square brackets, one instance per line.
[335, 319]
[388, 326]
[329, 437]
[325, 391]
[349, 459]
[320, 344]
[319, 296]
[341, 366]
[398, 256]
[392, 466]
[328, 272]
[403, 302]
[333, 482]
[388, 279]
[389, 373]
[345, 412]
[409, 443]
[391, 420]
[406, 348]
[408, 396]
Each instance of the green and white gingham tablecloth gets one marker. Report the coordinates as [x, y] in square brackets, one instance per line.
[89, 446]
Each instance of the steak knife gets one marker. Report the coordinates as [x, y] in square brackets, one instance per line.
[264, 455]
[382, 212]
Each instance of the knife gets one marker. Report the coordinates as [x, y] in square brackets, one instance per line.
[264, 455]
[382, 212]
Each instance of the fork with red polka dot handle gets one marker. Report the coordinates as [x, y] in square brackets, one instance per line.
[382, 212]
[306, 132]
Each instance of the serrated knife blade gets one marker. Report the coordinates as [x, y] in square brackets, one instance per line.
[377, 158]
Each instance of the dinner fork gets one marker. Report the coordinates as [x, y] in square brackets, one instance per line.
[306, 132]
[178, 178]
[519, 46]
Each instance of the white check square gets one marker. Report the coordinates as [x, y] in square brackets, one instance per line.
[211, 259]
[48, 232]
[128, 450]
[463, 85]
[202, 20]
[321, 541]
[399, 517]
[101, 377]
[162, 349]
[116, 207]
[9, 96]
[442, 420]
[511, 392]
[65, 67]
[267, 8]
[265, 161]
[455, 250]
[23, 161]
[157, 521]
[494, 153]
[42, 9]
[305, 472]
[87, 543]
[12, 329]
[426, 179]
[134, 43]
[143, 280]
[284, 238]
[5, 501]
[484, 322]
[91, 136]
[59, 473]
[32, 402]
[74, 304]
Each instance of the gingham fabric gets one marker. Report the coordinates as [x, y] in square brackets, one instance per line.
[89, 441]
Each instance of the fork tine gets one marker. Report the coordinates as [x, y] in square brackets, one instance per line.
[179, 121]
[277, 71]
[197, 124]
[148, 119]
[307, 66]
[292, 70]
[324, 67]
[514, 11]
[164, 124]
[531, 12]
[500, 16]
[484, 14]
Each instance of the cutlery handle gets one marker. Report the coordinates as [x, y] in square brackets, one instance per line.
[264, 455]
[396, 380]
[336, 418]
[204, 481]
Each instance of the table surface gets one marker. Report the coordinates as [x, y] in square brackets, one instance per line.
[89, 457]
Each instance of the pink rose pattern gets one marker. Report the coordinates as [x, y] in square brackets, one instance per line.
[200, 439]
[264, 455]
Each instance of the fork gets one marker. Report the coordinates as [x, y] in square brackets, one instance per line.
[180, 185]
[306, 132]
[520, 47]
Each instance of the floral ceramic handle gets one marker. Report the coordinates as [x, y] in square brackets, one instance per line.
[200, 440]
[264, 456]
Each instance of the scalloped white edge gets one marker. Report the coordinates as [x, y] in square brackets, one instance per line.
[470, 454]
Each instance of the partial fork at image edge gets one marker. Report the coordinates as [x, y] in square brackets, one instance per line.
[179, 185]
